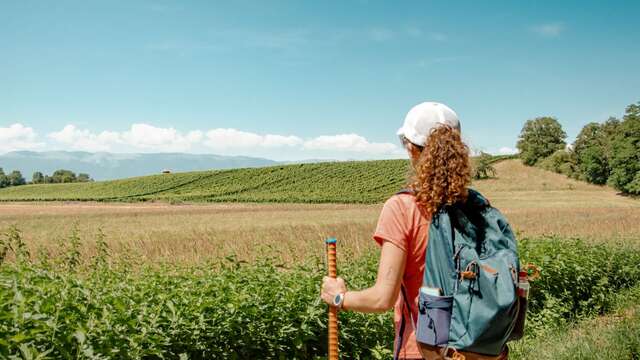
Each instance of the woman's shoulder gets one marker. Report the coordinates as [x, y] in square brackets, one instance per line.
[406, 205]
[401, 201]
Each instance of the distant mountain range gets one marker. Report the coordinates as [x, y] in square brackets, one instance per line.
[107, 166]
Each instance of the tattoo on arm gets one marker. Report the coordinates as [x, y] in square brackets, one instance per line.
[389, 276]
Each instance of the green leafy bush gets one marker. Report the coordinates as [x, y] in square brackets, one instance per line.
[224, 311]
[483, 168]
[578, 280]
[634, 186]
[234, 310]
[562, 162]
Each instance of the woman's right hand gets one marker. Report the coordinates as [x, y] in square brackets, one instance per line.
[332, 287]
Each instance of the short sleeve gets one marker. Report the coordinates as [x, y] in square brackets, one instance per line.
[393, 224]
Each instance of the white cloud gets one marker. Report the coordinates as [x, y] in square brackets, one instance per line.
[139, 137]
[232, 138]
[227, 141]
[18, 137]
[84, 140]
[507, 151]
[549, 30]
[350, 143]
[149, 137]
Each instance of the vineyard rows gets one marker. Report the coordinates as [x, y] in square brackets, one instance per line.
[348, 182]
[327, 182]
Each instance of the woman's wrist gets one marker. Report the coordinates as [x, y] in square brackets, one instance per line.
[338, 300]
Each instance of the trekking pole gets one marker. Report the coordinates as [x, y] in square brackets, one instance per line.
[333, 311]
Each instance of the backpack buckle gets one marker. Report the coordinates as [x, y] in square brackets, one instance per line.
[450, 353]
[470, 272]
[468, 275]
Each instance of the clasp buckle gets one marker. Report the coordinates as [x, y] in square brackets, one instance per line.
[450, 353]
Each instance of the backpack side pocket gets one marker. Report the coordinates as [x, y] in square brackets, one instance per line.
[434, 318]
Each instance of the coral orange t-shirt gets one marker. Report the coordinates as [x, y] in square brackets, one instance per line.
[402, 223]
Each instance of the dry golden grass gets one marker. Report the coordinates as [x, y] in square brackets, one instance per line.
[188, 233]
[539, 202]
[518, 186]
[535, 201]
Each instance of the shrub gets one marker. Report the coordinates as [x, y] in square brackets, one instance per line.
[634, 186]
[233, 310]
[562, 162]
[483, 168]
[225, 311]
[578, 280]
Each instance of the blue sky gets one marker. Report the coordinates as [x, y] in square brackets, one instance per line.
[304, 79]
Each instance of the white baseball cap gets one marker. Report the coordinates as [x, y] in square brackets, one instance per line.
[424, 117]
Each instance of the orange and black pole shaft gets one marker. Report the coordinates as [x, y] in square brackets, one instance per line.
[333, 311]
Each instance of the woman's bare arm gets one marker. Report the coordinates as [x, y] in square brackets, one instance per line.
[381, 296]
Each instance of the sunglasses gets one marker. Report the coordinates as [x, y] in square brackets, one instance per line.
[405, 142]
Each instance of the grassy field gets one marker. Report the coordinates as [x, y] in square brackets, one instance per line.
[535, 201]
[178, 250]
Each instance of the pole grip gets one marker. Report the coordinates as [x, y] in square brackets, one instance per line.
[333, 311]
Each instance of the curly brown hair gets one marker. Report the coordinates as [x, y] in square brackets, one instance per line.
[443, 170]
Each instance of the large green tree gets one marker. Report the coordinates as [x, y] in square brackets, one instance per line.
[625, 162]
[539, 138]
[37, 178]
[63, 176]
[16, 178]
[593, 150]
[83, 177]
[4, 181]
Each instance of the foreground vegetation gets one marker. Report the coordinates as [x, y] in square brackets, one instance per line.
[612, 336]
[103, 307]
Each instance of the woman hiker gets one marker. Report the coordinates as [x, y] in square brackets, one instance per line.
[442, 172]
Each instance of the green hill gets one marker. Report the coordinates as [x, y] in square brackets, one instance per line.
[344, 182]
[326, 182]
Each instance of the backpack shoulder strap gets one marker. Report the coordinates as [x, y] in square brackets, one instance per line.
[406, 191]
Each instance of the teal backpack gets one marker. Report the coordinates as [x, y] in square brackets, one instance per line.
[472, 262]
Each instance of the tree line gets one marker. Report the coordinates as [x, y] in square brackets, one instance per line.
[15, 178]
[603, 153]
